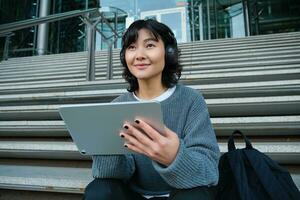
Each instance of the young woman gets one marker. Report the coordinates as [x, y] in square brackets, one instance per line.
[182, 162]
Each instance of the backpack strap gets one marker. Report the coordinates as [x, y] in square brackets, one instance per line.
[231, 145]
[235, 158]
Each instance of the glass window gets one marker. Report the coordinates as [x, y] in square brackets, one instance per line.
[274, 16]
[236, 18]
[170, 12]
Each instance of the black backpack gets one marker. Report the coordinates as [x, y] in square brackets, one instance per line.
[247, 174]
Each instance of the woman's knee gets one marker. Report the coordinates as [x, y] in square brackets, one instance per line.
[103, 189]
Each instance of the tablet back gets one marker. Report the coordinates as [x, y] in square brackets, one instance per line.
[95, 127]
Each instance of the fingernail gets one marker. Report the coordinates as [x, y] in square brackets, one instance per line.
[122, 136]
[126, 127]
[137, 121]
[125, 146]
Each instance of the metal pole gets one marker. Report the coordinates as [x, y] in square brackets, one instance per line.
[246, 17]
[86, 26]
[90, 73]
[6, 46]
[216, 19]
[208, 19]
[200, 21]
[35, 29]
[116, 28]
[193, 20]
[42, 40]
[109, 73]
[58, 28]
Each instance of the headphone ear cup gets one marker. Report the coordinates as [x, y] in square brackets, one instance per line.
[171, 54]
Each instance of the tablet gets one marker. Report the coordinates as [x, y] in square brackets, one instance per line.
[95, 128]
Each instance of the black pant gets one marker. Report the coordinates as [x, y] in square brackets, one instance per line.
[114, 189]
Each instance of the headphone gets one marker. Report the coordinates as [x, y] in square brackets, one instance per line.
[171, 50]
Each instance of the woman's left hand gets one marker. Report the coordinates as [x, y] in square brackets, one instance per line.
[142, 138]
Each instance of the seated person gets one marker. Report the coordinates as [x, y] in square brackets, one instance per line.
[182, 162]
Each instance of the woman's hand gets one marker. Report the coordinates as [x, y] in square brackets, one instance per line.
[142, 138]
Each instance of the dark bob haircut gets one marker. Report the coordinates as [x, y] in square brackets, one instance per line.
[172, 69]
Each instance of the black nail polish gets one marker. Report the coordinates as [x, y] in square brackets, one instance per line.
[125, 146]
[122, 136]
[137, 121]
[126, 127]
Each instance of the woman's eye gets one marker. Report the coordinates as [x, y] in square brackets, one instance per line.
[131, 47]
[150, 45]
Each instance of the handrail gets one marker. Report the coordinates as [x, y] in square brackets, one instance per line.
[7, 34]
[5, 28]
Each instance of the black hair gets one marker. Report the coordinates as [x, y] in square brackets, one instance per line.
[172, 69]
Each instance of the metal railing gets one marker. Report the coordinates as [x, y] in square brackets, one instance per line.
[6, 30]
[92, 25]
[6, 43]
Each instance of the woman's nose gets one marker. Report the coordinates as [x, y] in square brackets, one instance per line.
[140, 54]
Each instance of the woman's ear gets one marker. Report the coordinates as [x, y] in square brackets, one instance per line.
[122, 56]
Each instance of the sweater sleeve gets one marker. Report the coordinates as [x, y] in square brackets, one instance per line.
[113, 166]
[196, 163]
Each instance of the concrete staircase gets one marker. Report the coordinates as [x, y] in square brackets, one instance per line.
[251, 84]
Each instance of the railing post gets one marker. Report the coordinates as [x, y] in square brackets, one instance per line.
[43, 29]
[246, 17]
[90, 73]
[109, 70]
[208, 19]
[6, 47]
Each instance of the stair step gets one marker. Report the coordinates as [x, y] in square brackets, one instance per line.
[54, 177]
[242, 106]
[224, 126]
[90, 92]
[281, 152]
[42, 175]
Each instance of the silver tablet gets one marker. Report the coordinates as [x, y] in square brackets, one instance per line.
[95, 127]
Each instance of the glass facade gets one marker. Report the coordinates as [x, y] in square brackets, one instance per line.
[64, 36]
[190, 20]
[274, 16]
[68, 35]
[22, 42]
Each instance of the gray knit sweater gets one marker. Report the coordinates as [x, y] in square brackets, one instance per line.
[196, 163]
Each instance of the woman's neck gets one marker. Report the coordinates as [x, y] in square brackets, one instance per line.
[149, 91]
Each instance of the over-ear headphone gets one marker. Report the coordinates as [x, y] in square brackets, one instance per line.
[171, 50]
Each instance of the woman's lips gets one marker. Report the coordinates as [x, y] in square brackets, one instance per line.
[141, 66]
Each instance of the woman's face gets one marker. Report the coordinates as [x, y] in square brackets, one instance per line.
[145, 57]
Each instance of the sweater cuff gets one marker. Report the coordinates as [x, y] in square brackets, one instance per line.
[113, 166]
[181, 173]
[177, 171]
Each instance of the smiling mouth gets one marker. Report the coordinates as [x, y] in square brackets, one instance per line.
[141, 66]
